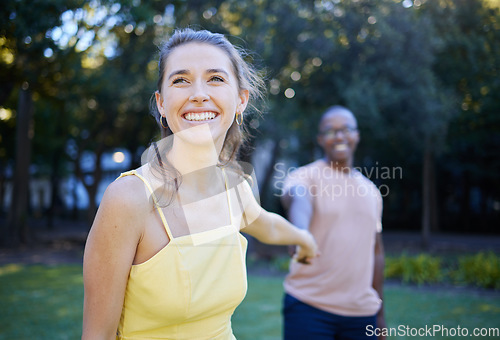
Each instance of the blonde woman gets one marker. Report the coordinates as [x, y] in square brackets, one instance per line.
[165, 258]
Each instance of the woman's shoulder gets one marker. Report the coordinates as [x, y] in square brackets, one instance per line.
[127, 191]
[122, 211]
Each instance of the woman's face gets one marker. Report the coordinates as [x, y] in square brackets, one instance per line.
[200, 89]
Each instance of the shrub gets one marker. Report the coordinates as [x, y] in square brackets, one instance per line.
[481, 269]
[419, 269]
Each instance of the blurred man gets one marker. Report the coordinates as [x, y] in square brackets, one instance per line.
[339, 295]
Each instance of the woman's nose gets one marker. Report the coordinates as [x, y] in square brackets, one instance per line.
[199, 94]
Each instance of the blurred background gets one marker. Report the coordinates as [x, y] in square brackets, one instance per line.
[422, 78]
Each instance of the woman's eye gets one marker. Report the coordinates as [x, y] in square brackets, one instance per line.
[179, 81]
[217, 78]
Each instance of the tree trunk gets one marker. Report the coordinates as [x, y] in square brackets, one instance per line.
[465, 198]
[55, 200]
[2, 187]
[17, 228]
[434, 206]
[427, 196]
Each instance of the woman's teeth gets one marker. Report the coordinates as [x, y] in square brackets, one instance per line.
[341, 147]
[199, 116]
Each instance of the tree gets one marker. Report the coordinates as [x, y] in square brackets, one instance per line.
[469, 64]
[25, 44]
[406, 72]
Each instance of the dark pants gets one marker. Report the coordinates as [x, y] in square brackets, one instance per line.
[304, 322]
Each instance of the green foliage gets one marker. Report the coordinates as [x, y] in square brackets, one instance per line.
[282, 263]
[407, 73]
[418, 269]
[481, 269]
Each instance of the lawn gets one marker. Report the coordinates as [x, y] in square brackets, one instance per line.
[41, 302]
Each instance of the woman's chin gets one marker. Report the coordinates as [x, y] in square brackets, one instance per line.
[196, 134]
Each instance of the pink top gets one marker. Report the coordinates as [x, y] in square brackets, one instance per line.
[347, 211]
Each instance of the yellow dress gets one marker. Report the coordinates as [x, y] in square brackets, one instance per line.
[190, 288]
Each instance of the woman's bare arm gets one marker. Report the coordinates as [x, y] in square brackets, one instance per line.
[272, 228]
[109, 254]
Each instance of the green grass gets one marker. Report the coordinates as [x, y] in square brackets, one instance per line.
[259, 316]
[41, 302]
[418, 307]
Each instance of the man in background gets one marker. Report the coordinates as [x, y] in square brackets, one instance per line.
[339, 295]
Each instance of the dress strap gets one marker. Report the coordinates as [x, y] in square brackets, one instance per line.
[155, 200]
[228, 198]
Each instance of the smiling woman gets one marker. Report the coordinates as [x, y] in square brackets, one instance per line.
[200, 91]
[174, 268]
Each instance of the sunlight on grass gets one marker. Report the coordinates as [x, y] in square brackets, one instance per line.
[418, 307]
[41, 302]
[10, 268]
[44, 302]
[259, 316]
[489, 308]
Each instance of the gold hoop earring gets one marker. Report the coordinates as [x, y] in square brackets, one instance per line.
[161, 122]
[240, 120]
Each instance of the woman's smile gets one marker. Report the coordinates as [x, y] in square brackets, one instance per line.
[200, 116]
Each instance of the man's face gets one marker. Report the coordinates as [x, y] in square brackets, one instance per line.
[338, 136]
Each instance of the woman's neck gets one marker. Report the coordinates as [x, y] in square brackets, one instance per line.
[188, 158]
[194, 149]
[197, 165]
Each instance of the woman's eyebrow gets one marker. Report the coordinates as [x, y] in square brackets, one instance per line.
[217, 70]
[178, 72]
[186, 72]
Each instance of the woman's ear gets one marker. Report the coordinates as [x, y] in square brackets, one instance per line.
[159, 102]
[244, 95]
